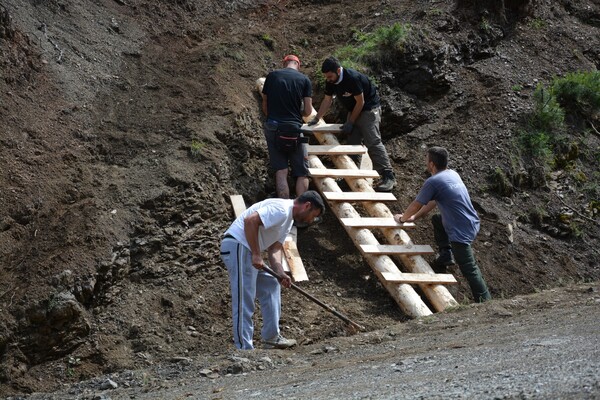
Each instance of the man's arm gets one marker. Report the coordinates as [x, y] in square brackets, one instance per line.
[358, 107]
[264, 104]
[307, 107]
[275, 255]
[325, 105]
[251, 224]
[414, 211]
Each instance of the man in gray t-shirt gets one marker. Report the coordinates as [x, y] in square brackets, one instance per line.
[457, 225]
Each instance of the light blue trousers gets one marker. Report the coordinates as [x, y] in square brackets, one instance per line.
[247, 283]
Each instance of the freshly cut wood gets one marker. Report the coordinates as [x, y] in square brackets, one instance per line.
[375, 222]
[342, 173]
[407, 249]
[436, 279]
[334, 150]
[292, 256]
[239, 206]
[405, 295]
[359, 196]
[323, 128]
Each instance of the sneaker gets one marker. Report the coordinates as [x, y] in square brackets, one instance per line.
[387, 182]
[278, 342]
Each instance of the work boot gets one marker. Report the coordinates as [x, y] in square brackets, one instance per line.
[387, 182]
[445, 259]
[278, 342]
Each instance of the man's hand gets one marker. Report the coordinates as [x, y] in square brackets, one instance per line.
[285, 281]
[313, 121]
[347, 128]
[398, 218]
[257, 261]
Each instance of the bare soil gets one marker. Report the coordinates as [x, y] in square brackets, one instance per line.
[110, 224]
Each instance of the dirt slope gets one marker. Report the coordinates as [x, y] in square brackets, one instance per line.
[110, 224]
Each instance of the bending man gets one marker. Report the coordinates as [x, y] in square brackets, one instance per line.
[263, 226]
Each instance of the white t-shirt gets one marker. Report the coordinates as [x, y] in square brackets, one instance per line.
[277, 219]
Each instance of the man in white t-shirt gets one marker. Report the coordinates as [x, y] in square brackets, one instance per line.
[263, 226]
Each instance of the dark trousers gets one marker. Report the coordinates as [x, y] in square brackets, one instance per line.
[463, 254]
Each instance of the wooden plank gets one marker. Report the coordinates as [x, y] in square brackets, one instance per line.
[323, 128]
[434, 279]
[407, 249]
[239, 206]
[336, 150]
[292, 256]
[359, 196]
[375, 223]
[366, 163]
[342, 173]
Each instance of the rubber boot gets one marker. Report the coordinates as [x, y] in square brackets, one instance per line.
[387, 183]
[444, 260]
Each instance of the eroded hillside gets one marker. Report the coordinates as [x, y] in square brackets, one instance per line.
[110, 224]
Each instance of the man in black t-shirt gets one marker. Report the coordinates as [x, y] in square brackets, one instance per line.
[359, 96]
[287, 96]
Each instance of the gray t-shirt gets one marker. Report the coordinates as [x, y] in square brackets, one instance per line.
[459, 218]
[276, 216]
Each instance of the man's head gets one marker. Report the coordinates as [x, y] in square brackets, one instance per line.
[308, 206]
[291, 61]
[331, 69]
[437, 157]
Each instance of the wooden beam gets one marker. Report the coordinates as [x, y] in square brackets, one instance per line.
[239, 206]
[292, 256]
[342, 173]
[406, 249]
[375, 223]
[359, 196]
[323, 128]
[336, 150]
[434, 279]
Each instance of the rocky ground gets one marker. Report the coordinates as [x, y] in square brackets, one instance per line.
[126, 125]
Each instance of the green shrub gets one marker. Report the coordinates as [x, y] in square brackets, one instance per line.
[376, 47]
[579, 93]
[547, 115]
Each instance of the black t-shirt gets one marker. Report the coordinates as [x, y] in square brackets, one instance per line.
[354, 83]
[286, 89]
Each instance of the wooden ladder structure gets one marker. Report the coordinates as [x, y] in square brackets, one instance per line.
[379, 256]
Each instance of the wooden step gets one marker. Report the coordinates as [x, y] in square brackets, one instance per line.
[434, 279]
[375, 223]
[335, 150]
[323, 128]
[359, 196]
[407, 250]
[342, 173]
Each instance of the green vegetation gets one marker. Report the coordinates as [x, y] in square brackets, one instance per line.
[517, 88]
[196, 148]
[538, 23]
[374, 48]
[544, 137]
[268, 41]
[485, 25]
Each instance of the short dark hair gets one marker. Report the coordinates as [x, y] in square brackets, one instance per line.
[313, 198]
[331, 64]
[438, 156]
